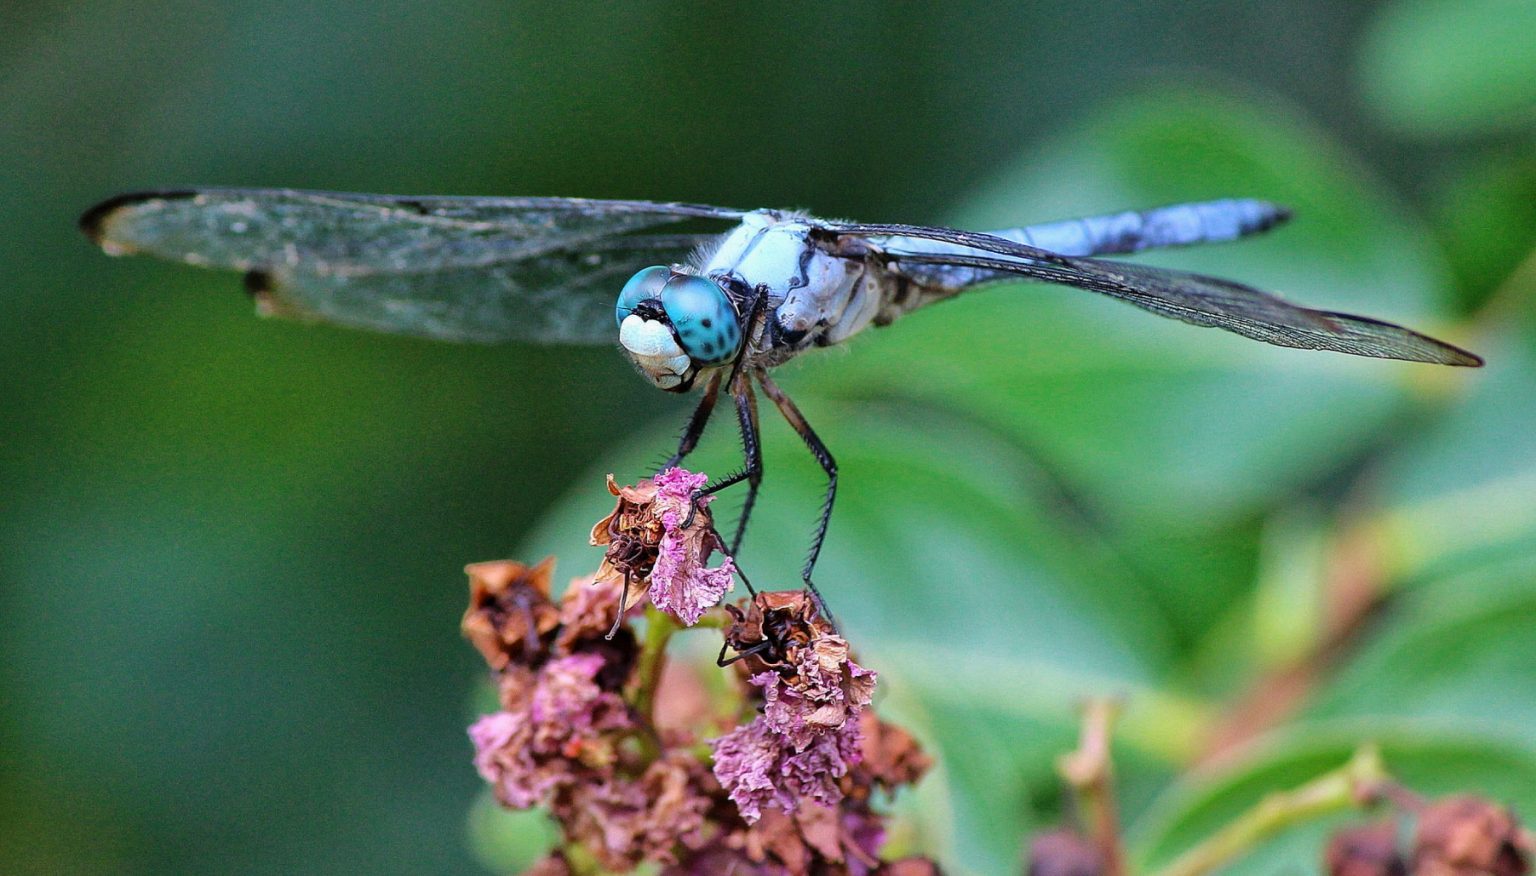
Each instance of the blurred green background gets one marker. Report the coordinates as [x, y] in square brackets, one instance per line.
[232, 547]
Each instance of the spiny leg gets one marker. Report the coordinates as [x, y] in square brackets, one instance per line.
[751, 448]
[752, 466]
[696, 423]
[828, 465]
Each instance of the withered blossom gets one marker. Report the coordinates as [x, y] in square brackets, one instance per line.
[649, 818]
[890, 757]
[1365, 850]
[509, 611]
[659, 539]
[808, 735]
[1465, 836]
[559, 723]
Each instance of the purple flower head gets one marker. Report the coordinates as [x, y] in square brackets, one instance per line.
[547, 734]
[746, 765]
[568, 709]
[659, 537]
[808, 736]
[503, 760]
[824, 694]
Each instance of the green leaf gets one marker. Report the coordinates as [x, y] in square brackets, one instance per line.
[1449, 67]
[507, 841]
[1486, 216]
[1460, 647]
[1460, 486]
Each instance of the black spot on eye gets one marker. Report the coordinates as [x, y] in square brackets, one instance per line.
[705, 322]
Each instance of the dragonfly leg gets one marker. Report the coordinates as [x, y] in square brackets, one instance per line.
[751, 447]
[752, 468]
[696, 423]
[828, 465]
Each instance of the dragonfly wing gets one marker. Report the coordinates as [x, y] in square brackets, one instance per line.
[1191, 298]
[461, 268]
[559, 297]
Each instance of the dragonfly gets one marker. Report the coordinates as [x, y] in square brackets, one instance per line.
[713, 311]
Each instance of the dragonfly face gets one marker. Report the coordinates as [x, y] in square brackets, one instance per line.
[675, 325]
[716, 310]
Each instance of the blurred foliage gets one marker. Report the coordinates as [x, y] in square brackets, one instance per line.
[230, 586]
[1452, 67]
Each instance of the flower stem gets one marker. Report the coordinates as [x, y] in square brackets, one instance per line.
[1352, 785]
[659, 627]
[1089, 772]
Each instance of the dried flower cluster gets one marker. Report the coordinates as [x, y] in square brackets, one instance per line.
[634, 759]
[1461, 835]
[807, 737]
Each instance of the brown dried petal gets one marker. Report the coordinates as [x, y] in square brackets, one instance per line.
[515, 687]
[776, 836]
[891, 757]
[1365, 850]
[1467, 835]
[509, 610]
[785, 619]
[1063, 853]
[821, 828]
[624, 822]
[631, 532]
[718, 859]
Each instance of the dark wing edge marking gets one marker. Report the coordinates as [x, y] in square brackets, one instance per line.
[1232, 306]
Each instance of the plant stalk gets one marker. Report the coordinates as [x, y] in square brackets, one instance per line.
[1353, 785]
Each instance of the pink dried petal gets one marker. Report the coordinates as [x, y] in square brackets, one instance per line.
[504, 761]
[569, 707]
[681, 585]
[681, 582]
[812, 773]
[746, 763]
[674, 492]
[490, 734]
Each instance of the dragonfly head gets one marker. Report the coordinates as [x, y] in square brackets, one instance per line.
[675, 324]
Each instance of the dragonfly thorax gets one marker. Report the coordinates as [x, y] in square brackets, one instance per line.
[674, 324]
[816, 295]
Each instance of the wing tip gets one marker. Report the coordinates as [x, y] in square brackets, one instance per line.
[1464, 358]
[93, 222]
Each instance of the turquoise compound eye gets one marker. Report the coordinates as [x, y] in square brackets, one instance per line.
[702, 317]
[646, 283]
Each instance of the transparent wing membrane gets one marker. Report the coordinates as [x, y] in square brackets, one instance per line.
[480, 269]
[558, 297]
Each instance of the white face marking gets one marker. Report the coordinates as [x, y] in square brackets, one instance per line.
[651, 345]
